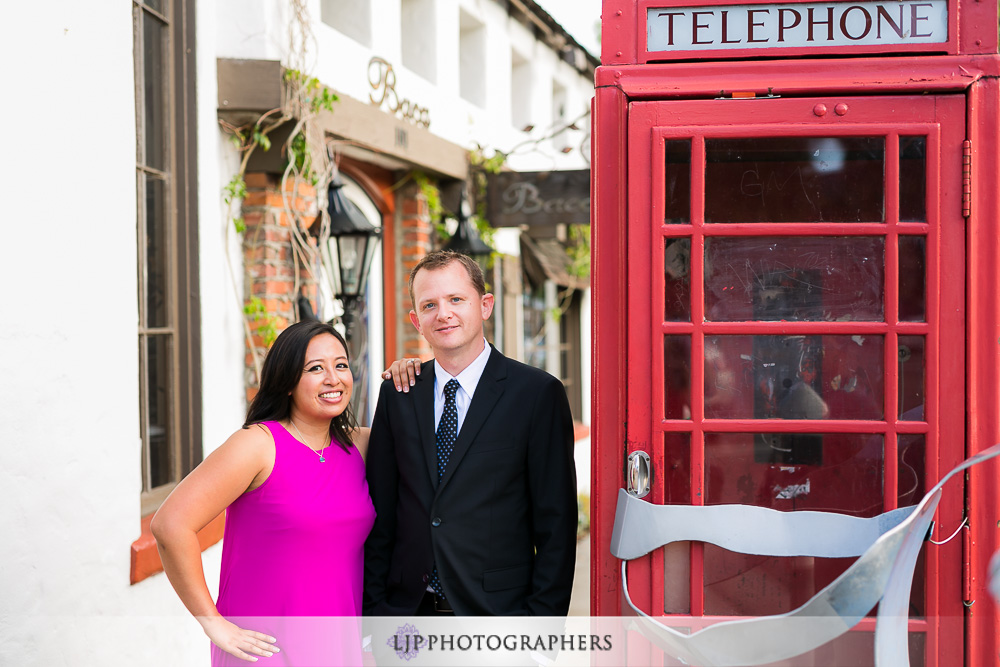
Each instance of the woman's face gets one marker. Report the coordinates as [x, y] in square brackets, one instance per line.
[324, 390]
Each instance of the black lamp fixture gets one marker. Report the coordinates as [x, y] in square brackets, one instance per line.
[466, 238]
[350, 249]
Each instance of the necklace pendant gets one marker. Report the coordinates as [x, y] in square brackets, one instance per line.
[321, 459]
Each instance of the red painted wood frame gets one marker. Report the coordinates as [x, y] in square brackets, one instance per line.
[972, 30]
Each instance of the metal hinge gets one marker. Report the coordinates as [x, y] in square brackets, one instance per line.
[966, 178]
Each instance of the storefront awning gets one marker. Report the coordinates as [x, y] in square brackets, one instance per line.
[546, 259]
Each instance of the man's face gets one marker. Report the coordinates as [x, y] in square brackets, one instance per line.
[448, 312]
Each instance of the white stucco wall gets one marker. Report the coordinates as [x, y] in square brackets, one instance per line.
[69, 446]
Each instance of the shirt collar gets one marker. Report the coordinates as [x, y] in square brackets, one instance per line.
[469, 378]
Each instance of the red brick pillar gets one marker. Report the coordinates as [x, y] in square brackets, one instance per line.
[269, 258]
[416, 242]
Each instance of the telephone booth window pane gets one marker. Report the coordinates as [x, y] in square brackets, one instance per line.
[795, 179]
[678, 181]
[912, 278]
[910, 489]
[911, 378]
[913, 179]
[912, 448]
[794, 377]
[677, 280]
[677, 491]
[849, 479]
[794, 279]
[677, 377]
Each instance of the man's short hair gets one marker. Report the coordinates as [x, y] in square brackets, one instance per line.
[442, 258]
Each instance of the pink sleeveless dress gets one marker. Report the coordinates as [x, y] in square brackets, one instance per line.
[293, 555]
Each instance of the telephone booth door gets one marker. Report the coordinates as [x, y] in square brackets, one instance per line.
[796, 281]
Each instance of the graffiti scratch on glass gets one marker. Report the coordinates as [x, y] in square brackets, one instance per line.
[382, 78]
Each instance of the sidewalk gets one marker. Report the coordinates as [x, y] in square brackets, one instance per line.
[579, 603]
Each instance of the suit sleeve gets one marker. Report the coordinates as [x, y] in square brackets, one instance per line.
[554, 512]
[383, 474]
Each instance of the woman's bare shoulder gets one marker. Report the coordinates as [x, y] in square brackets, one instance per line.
[360, 439]
[255, 437]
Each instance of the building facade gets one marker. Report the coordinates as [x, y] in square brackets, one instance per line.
[129, 361]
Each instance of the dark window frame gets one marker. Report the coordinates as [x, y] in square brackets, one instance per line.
[179, 226]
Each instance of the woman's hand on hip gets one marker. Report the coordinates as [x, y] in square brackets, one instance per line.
[231, 638]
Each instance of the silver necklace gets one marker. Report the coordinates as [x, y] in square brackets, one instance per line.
[318, 452]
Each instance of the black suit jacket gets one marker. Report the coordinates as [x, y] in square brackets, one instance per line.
[501, 525]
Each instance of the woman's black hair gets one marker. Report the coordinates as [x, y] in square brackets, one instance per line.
[280, 374]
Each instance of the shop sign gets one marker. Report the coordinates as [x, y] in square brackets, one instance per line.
[538, 198]
[382, 78]
[798, 25]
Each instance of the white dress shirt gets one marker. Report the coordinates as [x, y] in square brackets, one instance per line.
[468, 380]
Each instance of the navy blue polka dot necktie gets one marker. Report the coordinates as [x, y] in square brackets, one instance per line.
[447, 431]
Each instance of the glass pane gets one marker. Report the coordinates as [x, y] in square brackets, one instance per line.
[911, 378]
[912, 449]
[158, 409]
[157, 254]
[677, 491]
[154, 83]
[850, 481]
[677, 377]
[535, 346]
[677, 280]
[154, 4]
[912, 179]
[794, 377]
[678, 181]
[677, 468]
[912, 278]
[911, 454]
[775, 278]
[795, 179]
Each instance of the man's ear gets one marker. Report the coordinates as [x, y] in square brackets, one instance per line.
[487, 306]
[414, 321]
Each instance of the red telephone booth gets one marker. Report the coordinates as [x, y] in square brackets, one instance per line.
[796, 275]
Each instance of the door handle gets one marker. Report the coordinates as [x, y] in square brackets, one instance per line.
[639, 474]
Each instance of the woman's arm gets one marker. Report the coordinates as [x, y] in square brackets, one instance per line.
[242, 462]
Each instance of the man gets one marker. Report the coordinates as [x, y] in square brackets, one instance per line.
[471, 471]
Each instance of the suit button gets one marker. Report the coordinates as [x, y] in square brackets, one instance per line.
[426, 578]
[436, 522]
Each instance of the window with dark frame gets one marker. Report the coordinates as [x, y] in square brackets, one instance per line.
[167, 244]
[536, 346]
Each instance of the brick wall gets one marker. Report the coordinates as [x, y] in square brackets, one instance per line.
[418, 238]
[268, 256]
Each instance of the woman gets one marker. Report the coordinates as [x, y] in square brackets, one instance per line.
[293, 482]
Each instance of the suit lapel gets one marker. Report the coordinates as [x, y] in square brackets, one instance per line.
[423, 404]
[488, 392]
